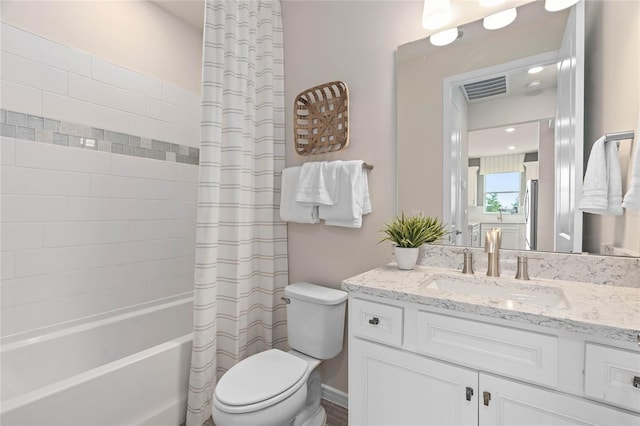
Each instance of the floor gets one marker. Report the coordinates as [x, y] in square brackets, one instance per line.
[336, 415]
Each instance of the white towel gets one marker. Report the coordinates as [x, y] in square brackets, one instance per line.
[353, 196]
[602, 187]
[318, 183]
[290, 210]
[632, 197]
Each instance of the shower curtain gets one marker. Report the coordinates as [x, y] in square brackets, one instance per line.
[241, 244]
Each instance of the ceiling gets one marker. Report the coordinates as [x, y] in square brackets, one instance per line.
[494, 141]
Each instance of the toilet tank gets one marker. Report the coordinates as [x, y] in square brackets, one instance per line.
[315, 319]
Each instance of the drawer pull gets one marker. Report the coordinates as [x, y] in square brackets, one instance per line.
[486, 396]
[374, 321]
[469, 393]
[636, 382]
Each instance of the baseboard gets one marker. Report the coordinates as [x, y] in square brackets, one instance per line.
[335, 396]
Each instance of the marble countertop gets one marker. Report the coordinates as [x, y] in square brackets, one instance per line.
[600, 310]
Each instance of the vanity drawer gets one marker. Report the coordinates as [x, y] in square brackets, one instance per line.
[516, 353]
[610, 374]
[376, 321]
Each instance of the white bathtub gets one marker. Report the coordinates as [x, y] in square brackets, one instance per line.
[124, 369]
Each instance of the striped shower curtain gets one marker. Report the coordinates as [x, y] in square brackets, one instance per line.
[241, 244]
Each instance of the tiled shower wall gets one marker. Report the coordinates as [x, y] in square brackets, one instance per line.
[99, 184]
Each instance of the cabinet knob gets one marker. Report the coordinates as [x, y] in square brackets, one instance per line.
[374, 321]
[469, 392]
[486, 396]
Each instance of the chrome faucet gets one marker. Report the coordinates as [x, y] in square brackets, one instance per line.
[492, 241]
[467, 266]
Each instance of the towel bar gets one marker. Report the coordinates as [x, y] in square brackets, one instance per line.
[618, 136]
[367, 166]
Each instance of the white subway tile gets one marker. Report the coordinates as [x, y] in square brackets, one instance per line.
[171, 209]
[126, 274]
[125, 187]
[116, 75]
[77, 111]
[103, 94]
[172, 190]
[179, 96]
[123, 165]
[33, 208]
[142, 251]
[59, 234]
[16, 97]
[156, 129]
[171, 286]
[30, 181]
[61, 259]
[35, 315]
[186, 246]
[33, 74]
[20, 236]
[42, 50]
[173, 114]
[38, 288]
[7, 264]
[177, 266]
[46, 156]
[187, 173]
[159, 229]
[7, 151]
[98, 209]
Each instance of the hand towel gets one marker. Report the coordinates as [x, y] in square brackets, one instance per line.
[290, 209]
[602, 187]
[318, 183]
[632, 197]
[353, 196]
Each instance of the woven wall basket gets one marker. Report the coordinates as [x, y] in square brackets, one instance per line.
[321, 119]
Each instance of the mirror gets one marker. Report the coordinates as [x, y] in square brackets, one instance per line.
[486, 154]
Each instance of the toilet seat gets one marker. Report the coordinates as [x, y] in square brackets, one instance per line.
[260, 381]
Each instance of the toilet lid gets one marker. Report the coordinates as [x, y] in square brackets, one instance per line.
[260, 377]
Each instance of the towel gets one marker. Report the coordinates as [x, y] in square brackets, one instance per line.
[602, 187]
[632, 197]
[290, 210]
[318, 183]
[353, 197]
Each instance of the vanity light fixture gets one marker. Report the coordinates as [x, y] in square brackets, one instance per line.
[491, 3]
[445, 37]
[556, 5]
[436, 14]
[500, 19]
[535, 70]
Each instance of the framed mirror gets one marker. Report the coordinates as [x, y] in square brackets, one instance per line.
[437, 165]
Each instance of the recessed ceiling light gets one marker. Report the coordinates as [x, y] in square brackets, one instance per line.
[511, 147]
[534, 85]
[510, 129]
[535, 70]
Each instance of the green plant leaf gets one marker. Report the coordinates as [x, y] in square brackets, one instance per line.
[413, 231]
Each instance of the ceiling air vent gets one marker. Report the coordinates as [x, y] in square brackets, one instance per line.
[485, 88]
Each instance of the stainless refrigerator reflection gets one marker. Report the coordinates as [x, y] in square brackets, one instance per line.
[531, 215]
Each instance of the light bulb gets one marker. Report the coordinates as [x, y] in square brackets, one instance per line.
[436, 14]
[500, 19]
[556, 5]
[444, 37]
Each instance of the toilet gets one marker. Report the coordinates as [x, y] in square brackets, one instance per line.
[277, 388]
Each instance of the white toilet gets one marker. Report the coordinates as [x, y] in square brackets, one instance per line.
[276, 388]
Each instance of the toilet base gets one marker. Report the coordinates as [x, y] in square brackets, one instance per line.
[319, 418]
[312, 414]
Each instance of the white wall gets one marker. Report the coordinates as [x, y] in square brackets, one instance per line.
[86, 231]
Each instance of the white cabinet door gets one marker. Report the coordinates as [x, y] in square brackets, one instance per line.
[393, 387]
[516, 404]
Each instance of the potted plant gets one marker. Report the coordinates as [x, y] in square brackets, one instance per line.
[408, 233]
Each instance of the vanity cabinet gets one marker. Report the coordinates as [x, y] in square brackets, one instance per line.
[411, 365]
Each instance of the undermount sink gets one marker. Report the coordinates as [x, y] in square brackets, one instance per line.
[507, 291]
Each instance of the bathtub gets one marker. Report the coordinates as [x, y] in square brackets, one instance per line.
[127, 368]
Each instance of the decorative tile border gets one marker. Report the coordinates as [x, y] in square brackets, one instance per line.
[41, 129]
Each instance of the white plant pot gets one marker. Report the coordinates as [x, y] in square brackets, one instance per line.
[406, 257]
